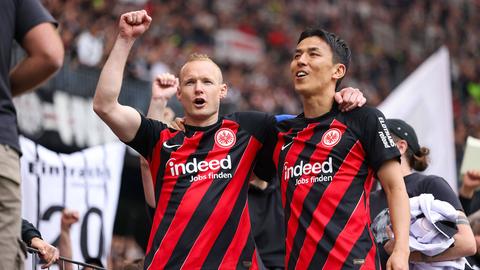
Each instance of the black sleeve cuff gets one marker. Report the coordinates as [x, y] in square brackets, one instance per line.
[29, 232]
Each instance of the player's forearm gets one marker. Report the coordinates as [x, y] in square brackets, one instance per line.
[147, 183]
[110, 81]
[391, 178]
[157, 107]
[399, 206]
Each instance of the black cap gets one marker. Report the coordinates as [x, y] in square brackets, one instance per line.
[405, 132]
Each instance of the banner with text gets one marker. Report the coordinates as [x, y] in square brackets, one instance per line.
[87, 181]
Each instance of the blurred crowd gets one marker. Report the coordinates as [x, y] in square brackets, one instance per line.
[389, 39]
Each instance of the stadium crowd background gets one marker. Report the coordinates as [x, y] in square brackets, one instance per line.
[389, 39]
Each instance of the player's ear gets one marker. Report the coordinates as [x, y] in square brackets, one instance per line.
[179, 92]
[223, 90]
[339, 71]
[402, 146]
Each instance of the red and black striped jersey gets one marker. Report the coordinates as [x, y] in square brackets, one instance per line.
[326, 167]
[200, 178]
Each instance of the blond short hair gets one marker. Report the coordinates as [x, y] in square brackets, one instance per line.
[201, 57]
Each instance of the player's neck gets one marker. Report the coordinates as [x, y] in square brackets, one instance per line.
[318, 104]
[201, 121]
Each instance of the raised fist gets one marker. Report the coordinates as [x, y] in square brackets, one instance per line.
[69, 217]
[164, 86]
[133, 24]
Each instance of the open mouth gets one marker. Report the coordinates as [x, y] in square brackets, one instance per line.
[301, 74]
[199, 101]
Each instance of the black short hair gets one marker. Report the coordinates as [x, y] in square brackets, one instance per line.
[340, 50]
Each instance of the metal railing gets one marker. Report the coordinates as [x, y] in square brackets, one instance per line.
[61, 261]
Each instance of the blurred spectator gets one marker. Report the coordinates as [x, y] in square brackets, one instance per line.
[468, 192]
[135, 265]
[90, 45]
[124, 250]
[69, 217]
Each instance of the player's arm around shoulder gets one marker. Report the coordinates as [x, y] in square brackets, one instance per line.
[258, 124]
[123, 120]
[390, 177]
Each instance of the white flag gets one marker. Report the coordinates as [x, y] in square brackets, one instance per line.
[424, 100]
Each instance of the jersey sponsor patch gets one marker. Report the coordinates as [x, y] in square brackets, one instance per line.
[225, 137]
[196, 166]
[385, 134]
[331, 137]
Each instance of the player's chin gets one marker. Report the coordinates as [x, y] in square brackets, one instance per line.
[202, 113]
[302, 89]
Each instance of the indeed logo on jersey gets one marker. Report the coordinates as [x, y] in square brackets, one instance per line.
[195, 166]
[302, 173]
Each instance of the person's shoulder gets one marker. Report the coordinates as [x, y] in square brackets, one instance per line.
[428, 182]
[362, 112]
[435, 180]
[36, 14]
[252, 119]
[427, 178]
[365, 118]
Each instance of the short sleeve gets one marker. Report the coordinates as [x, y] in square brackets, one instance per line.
[376, 138]
[30, 13]
[147, 136]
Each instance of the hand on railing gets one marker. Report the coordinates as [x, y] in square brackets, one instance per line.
[62, 260]
[46, 252]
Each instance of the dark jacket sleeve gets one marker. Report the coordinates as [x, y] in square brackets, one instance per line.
[29, 232]
[466, 202]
